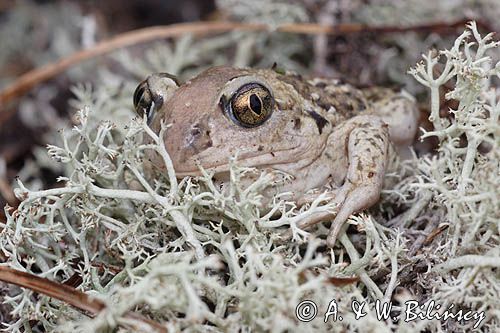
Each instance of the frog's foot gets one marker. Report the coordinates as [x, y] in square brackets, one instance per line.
[306, 223]
[336, 196]
[345, 207]
[358, 199]
[367, 152]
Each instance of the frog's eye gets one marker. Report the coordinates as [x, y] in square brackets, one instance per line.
[251, 105]
[143, 101]
[152, 92]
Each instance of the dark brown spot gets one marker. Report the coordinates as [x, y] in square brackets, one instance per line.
[297, 124]
[260, 148]
[371, 174]
[323, 105]
[272, 154]
[320, 121]
[320, 84]
[373, 143]
[346, 145]
[349, 107]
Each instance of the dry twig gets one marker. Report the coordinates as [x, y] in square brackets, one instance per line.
[28, 80]
[66, 294]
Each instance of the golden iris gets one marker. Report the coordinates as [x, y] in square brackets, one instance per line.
[251, 105]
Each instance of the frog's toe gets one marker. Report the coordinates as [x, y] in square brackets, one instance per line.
[335, 229]
[357, 200]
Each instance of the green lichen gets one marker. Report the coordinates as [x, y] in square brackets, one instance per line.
[196, 259]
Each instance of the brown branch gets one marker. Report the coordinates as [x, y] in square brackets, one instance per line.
[428, 240]
[65, 293]
[30, 79]
[342, 281]
[53, 289]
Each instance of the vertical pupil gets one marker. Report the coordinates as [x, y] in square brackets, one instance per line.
[138, 95]
[255, 104]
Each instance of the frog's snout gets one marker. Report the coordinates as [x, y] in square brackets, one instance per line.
[151, 93]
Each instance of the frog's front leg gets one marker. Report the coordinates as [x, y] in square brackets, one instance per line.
[367, 150]
[366, 146]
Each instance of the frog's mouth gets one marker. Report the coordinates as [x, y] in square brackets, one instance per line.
[290, 160]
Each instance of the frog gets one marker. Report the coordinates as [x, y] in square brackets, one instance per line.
[329, 137]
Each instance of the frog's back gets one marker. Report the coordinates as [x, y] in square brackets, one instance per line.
[338, 101]
[332, 95]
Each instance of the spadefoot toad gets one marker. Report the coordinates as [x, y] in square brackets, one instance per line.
[324, 133]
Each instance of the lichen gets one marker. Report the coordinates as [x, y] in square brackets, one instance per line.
[197, 259]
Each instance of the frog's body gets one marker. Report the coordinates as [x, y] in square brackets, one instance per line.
[321, 132]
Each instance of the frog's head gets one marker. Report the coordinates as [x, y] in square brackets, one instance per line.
[226, 111]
